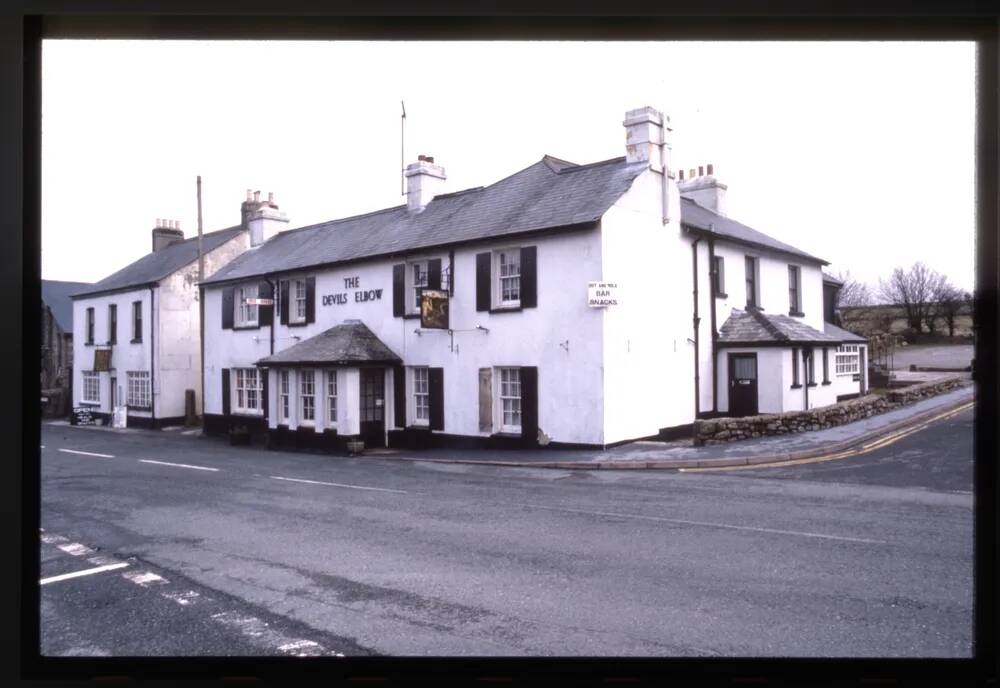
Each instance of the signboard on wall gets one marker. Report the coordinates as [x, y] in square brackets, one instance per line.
[102, 360]
[602, 294]
[434, 309]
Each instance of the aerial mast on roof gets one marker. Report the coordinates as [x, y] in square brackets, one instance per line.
[402, 157]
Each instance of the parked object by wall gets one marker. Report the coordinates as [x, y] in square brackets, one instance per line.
[722, 430]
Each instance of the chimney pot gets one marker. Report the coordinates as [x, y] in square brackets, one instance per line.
[256, 196]
[421, 157]
[429, 158]
[710, 168]
[682, 175]
[701, 171]
[270, 198]
[691, 173]
[249, 195]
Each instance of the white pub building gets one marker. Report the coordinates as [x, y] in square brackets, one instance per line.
[571, 305]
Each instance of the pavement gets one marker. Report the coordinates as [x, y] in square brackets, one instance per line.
[672, 455]
[367, 555]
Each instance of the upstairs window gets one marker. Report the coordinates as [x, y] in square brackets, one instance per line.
[750, 264]
[246, 314]
[418, 282]
[719, 277]
[136, 321]
[509, 277]
[297, 313]
[90, 326]
[794, 293]
[112, 323]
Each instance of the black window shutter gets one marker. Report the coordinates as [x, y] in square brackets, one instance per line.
[265, 404]
[398, 290]
[283, 286]
[399, 395]
[483, 287]
[434, 274]
[265, 314]
[529, 277]
[225, 391]
[310, 299]
[227, 308]
[435, 389]
[529, 404]
[451, 273]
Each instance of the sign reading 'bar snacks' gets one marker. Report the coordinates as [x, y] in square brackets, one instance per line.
[434, 309]
[601, 294]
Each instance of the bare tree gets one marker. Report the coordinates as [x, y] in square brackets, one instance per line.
[914, 290]
[853, 293]
[949, 302]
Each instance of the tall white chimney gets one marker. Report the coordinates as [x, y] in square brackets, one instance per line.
[644, 134]
[424, 181]
[702, 187]
[262, 219]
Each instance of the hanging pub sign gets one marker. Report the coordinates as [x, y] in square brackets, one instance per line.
[102, 360]
[434, 309]
[601, 294]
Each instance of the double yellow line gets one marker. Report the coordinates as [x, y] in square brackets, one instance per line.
[857, 451]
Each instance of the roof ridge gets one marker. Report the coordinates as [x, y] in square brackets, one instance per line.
[337, 220]
[766, 323]
[589, 165]
[450, 194]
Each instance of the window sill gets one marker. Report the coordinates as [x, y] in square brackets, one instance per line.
[721, 295]
[246, 327]
[418, 427]
[507, 433]
[131, 407]
[796, 386]
[810, 384]
[827, 382]
[797, 314]
[88, 343]
[136, 341]
[505, 309]
[411, 316]
[248, 414]
[90, 404]
[296, 323]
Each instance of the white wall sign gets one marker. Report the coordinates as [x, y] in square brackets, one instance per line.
[600, 294]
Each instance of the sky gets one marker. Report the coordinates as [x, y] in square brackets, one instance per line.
[861, 153]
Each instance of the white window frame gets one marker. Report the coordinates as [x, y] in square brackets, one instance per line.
[284, 388]
[502, 394]
[246, 315]
[420, 383]
[297, 297]
[136, 322]
[307, 382]
[247, 384]
[90, 382]
[499, 279]
[138, 392]
[331, 398]
[847, 360]
[415, 285]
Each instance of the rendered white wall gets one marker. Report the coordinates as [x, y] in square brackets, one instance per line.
[773, 377]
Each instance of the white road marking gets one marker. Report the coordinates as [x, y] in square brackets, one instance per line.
[101, 560]
[255, 628]
[708, 524]
[50, 539]
[144, 578]
[352, 487]
[75, 451]
[85, 572]
[76, 549]
[179, 465]
[182, 598]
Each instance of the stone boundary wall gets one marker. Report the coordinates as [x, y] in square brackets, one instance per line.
[720, 430]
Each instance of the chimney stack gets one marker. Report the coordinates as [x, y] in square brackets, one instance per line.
[261, 219]
[424, 181]
[704, 189]
[645, 130]
[166, 232]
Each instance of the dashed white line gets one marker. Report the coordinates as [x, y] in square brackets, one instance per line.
[85, 572]
[352, 487]
[182, 598]
[76, 549]
[51, 539]
[258, 629]
[179, 465]
[144, 578]
[707, 524]
[85, 453]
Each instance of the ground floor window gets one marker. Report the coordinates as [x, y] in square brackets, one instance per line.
[91, 387]
[283, 394]
[331, 396]
[138, 392]
[421, 395]
[510, 399]
[248, 390]
[307, 396]
[847, 360]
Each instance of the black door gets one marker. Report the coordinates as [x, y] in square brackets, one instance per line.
[742, 385]
[373, 407]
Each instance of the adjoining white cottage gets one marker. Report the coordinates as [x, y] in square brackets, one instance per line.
[136, 333]
[314, 337]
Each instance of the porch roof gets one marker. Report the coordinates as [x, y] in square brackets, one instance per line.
[349, 343]
[754, 328]
[845, 335]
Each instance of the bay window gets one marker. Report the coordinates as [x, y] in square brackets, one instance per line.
[307, 397]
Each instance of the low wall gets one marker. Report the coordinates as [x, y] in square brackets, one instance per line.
[720, 430]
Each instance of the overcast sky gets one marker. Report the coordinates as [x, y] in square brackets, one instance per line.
[860, 153]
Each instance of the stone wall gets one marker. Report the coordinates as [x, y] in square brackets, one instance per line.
[719, 430]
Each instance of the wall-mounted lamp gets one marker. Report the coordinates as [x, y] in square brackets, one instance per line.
[484, 329]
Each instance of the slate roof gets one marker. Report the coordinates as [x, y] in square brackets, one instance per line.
[842, 334]
[707, 221]
[754, 327]
[56, 295]
[830, 279]
[348, 343]
[155, 266]
[551, 193]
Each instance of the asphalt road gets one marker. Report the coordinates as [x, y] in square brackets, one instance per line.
[863, 557]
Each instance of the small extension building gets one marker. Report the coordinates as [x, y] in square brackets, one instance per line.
[136, 336]
[566, 304]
